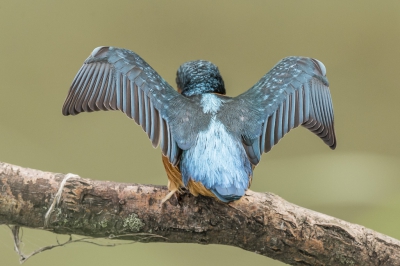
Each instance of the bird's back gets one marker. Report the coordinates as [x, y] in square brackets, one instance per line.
[217, 160]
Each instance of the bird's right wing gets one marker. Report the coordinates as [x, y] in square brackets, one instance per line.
[118, 79]
[295, 92]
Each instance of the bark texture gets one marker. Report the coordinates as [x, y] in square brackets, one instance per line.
[260, 222]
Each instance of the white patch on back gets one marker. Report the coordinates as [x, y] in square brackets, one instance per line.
[210, 103]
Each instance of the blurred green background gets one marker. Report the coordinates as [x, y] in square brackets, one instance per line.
[43, 44]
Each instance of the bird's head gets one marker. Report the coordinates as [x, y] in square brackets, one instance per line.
[198, 77]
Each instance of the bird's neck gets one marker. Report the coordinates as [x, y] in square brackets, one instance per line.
[197, 89]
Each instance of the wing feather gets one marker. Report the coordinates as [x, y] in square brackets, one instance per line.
[262, 136]
[127, 94]
[291, 108]
[100, 84]
[278, 128]
[103, 89]
[109, 93]
[269, 138]
[147, 113]
[307, 102]
[85, 80]
[154, 135]
[166, 140]
[87, 89]
[113, 96]
[285, 126]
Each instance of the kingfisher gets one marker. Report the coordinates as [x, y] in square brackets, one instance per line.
[210, 142]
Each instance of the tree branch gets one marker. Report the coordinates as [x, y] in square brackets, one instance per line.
[260, 222]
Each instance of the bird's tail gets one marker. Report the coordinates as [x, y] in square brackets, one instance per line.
[227, 194]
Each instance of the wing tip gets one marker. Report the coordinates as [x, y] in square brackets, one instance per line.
[66, 112]
[65, 108]
[333, 145]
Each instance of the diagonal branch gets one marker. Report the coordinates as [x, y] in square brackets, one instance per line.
[260, 222]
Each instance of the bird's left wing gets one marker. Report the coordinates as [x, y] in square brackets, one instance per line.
[295, 92]
[118, 79]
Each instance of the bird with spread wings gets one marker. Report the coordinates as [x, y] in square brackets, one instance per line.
[210, 142]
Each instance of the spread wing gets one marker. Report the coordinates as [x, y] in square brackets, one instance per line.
[118, 79]
[295, 92]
